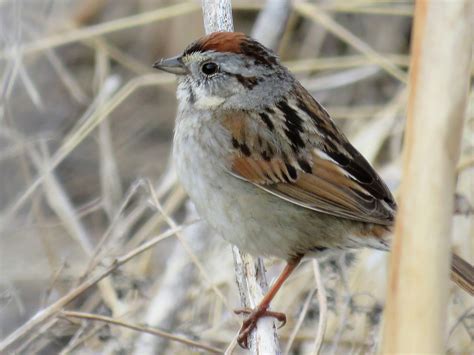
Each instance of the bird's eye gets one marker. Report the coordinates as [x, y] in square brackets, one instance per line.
[209, 68]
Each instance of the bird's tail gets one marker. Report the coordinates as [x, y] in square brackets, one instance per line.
[462, 273]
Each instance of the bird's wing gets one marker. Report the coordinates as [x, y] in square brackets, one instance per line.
[295, 151]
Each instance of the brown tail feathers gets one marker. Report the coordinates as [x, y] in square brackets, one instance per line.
[462, 273]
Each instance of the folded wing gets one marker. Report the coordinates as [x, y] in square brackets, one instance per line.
[294, 151]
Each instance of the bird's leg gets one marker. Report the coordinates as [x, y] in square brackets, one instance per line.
[262, 309]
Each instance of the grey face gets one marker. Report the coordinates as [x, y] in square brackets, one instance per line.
[214, 80]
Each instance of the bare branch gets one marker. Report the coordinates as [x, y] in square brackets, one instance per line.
[252, 283]
[143, 329]
[217, 16]
[323, 308]
[298, 324]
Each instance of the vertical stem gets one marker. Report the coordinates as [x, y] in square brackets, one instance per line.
[217, 16]
[415, 315]
[323, 308]
[252, 283]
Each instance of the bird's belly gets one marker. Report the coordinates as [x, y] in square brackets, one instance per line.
[249, 217]
[240, 214]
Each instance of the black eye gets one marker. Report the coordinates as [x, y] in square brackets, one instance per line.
[209, 68]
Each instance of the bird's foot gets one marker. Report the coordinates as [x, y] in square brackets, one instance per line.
[251, 322]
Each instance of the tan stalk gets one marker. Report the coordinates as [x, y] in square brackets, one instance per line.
[415, 315]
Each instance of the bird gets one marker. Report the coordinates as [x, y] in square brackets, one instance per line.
[266, 166]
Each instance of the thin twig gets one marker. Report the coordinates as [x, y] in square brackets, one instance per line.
[143, 329]
[299, 323]
[232, 345]
[323, 308]
[341, 62]
[357, 8]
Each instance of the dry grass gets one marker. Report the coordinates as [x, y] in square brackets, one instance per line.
[86, 125]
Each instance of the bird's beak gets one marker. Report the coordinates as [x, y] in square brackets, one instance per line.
[172, 65]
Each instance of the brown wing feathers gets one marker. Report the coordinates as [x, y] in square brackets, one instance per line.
[309, 163]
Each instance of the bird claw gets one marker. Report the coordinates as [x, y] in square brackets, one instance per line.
[251, 322]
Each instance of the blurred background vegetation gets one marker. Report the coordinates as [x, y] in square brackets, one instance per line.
[86, 128]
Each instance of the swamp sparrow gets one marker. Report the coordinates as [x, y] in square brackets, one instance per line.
[265, 165]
